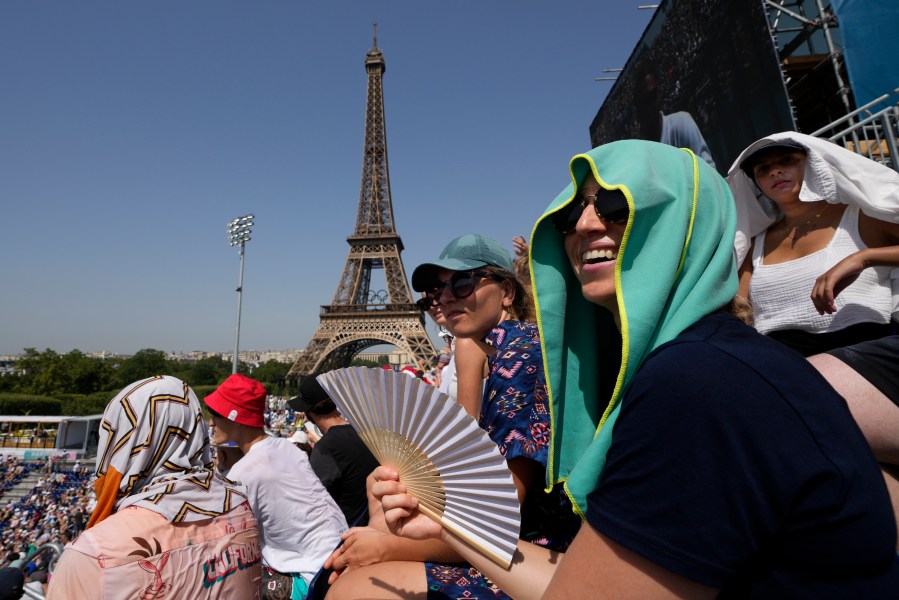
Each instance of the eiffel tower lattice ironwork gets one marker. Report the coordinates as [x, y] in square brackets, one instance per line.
[358, 317]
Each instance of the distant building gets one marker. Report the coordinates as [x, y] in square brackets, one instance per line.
[8, 365]
[397, 358]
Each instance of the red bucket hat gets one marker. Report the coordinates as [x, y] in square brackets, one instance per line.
[239, 399]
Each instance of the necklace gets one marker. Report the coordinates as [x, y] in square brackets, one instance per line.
[810, 225]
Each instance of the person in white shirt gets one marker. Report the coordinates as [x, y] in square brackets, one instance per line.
[299, 522]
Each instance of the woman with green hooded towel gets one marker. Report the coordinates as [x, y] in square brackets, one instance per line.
[704, 458]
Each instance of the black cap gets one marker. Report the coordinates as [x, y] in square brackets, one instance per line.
[754, 156]
[11, 583]
[311, 393]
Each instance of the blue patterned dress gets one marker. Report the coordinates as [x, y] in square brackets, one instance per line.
[515, 414]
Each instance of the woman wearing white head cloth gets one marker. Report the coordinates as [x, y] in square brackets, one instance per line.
[817, 238]
[166, 525]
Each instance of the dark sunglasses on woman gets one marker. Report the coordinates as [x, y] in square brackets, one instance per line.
[426, 303]
[462, 284]
[610, 206]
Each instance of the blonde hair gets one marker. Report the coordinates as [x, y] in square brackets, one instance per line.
[741, 307]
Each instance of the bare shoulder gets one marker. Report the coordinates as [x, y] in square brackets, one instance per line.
[877, 233]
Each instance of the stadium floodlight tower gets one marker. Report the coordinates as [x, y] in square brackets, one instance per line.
[238, 235]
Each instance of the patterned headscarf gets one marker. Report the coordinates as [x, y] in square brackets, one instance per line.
[154, 452]
[675, 265]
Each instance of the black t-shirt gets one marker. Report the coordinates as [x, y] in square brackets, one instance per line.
[734, 464]
[342, 462]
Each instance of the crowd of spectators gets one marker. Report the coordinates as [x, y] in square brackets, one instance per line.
[710, 59]
[13, 472]
[281, 420]
[53, 511]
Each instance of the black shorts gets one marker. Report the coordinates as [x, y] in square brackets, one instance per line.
[877, 361]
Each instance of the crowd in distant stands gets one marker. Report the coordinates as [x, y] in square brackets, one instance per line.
[54, 510]
[283, 421]
[280, 419]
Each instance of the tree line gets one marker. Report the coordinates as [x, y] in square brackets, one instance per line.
[77, 384]
[74, 383]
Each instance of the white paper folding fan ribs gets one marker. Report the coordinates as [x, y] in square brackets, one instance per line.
[443, 458]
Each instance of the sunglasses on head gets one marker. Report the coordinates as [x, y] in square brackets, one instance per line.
[461, 285]
[610, 206]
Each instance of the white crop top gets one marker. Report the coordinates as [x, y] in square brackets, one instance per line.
[781, 293]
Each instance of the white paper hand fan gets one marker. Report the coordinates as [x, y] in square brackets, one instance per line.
[443, 458]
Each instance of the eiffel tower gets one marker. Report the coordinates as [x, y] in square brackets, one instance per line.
[358, 317]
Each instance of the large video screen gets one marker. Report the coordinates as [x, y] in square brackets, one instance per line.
[705, 75]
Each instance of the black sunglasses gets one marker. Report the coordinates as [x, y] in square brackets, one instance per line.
[426, 303]
[461, 285]
[610, 206]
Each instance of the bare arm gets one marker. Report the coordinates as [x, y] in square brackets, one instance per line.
[741, 306]
[471, 363]
[597, 567]
[745, 274]
[368, 546]
[844, 273]
[882, 239]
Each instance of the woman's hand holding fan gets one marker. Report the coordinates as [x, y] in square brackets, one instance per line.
[438, 455]
[401, 508]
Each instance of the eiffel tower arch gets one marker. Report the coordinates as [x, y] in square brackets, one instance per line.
[359, 317]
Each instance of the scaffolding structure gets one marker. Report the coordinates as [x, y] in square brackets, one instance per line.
[809, 45]
[806, 35]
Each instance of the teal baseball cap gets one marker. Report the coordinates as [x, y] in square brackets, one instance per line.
[467, 252]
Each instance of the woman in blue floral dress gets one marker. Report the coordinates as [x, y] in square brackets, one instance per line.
[474, 283]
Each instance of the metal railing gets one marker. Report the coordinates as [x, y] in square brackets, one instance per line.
[871, 134]
[52, 551]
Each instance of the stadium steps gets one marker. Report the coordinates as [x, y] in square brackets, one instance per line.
[23, 488]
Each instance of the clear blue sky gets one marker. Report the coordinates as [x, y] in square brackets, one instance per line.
[132, 132]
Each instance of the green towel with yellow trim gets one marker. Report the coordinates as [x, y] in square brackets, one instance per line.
[675, 265]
